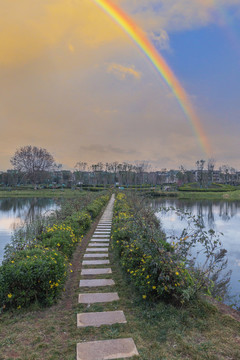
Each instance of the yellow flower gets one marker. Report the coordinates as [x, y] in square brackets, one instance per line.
[58, 244]
[177, 273]
[19, 307]
[12, 262]
[9, 296]
[144, 296]
[154, 287]
[56, 284]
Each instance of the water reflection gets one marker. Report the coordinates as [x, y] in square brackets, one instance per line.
[209, 211]
[13, 211]
[222, 216]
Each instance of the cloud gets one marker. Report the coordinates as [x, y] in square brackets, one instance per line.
[161, 39]
[108, 149]
[172, 15]
[28, 29]
[123, 72]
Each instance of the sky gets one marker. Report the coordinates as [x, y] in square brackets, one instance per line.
[72, 81]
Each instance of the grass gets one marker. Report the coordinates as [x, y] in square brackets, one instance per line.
[230, 195]
[44, 193]
[160, 331]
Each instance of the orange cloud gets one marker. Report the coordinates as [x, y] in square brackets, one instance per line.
[122, 72]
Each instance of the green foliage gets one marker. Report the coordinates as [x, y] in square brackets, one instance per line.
[79, 222]
[60, 237]
[33, 275]
[96, 206]
[156, 267]
[35, 264]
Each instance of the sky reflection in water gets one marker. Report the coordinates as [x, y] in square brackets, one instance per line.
[15, 210]
[220, 216]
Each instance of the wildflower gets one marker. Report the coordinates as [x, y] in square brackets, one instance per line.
[19, 307]
[12, 262]
[9, 296]
[144, 296]
[154, 287]
[177, 273]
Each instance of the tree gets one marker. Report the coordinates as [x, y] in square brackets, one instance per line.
[33, 162]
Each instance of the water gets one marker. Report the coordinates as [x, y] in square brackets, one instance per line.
[220, 216]
[15, 210]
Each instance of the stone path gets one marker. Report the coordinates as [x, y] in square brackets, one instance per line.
[98, 248]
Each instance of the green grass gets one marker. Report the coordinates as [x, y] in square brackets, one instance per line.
[160, 331]
[47, 193]
[231, 195]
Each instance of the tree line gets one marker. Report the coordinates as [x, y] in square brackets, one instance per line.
[35, 165]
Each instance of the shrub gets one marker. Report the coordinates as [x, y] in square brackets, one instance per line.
[37, 274]
[152, 264]
[60, 237]
[79, 222]
[96, 206]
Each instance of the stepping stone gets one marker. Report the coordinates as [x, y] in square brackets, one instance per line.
[95, 262]
[96, 282]
[102, 232]
[100, 236]
[97, 249]
[106, 349]
[100, 318]
[100, 240]
[95, 256]
[99, 271]
[97, 298]
[98, 244]
[101, 227]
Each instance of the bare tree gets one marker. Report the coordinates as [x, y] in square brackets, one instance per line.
[200, 168]
[210, 165]
[33, 162]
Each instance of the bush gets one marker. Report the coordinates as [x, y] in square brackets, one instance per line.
[79, 222]
[37, 274]
[152, 264]
[60, 237]
[96, 206]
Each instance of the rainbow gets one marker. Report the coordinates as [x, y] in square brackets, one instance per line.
[140, 38]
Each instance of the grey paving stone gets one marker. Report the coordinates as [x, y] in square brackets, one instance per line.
[102, 232]
[106, 349]
[96, 282]
[98, 271]
[95, 262]
[103, 229]
[100, 236]
[100, 240]
[97, 249]
[87, 256]
[97, 319]
[98, 244]
[97, 298]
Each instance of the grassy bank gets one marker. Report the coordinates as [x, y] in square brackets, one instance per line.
[44, 193]
[160, 331]
[230, 195]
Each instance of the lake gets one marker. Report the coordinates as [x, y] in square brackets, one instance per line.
[221, 216]
[15, 210]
